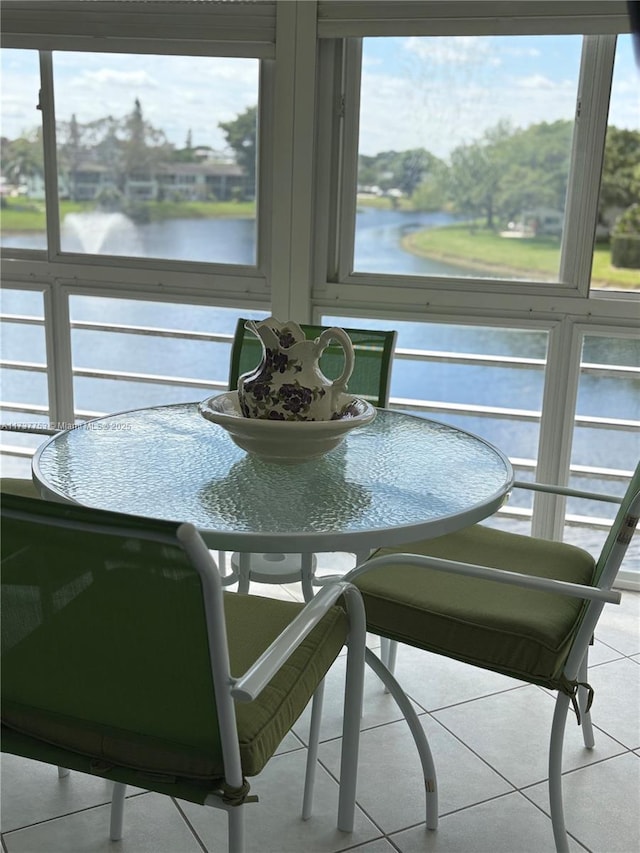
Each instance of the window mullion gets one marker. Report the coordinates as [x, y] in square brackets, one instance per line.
[556, 427]
[349, 172]
[306, 59]
[581, 212]
[327, 161]
[47, 107]
[59, 359]
[292, 201]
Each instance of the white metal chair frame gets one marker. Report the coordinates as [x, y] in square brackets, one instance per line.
[576, 665]
[248, 686]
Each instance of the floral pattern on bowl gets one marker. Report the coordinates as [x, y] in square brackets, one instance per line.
[286, 441]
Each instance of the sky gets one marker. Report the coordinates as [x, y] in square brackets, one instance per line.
[434, 93]
[441, 92]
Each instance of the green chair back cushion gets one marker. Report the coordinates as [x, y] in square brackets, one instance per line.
[105, 652]
[522, 633]
[373, 351]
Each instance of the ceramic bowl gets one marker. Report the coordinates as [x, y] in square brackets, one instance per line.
[285, 442]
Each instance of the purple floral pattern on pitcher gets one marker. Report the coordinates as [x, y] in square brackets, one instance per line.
[288, 385]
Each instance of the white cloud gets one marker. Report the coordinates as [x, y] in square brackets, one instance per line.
[112, 77]
[447, 49]
[176, 93]
[537, 81]
[532, 52]
[449, 107]
[397, 116]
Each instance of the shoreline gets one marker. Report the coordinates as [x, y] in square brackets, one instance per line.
[408, 245]
[456, 261]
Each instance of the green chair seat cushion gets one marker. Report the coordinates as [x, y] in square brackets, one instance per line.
[253, 623]
[150, 705]
[522, 633]
[18, 486]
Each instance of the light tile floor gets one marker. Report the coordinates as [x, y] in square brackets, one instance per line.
[489, 736]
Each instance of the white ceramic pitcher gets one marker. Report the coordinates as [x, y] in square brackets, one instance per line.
[288, 384]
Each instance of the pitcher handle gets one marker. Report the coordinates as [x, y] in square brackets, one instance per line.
[337, 334]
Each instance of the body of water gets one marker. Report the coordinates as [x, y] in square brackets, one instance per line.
[378, 249]
[378, 243]
[234, 241]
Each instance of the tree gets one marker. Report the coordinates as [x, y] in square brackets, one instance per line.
[535, 169]
[432, 193]
[507, 172]
[143, 145]
[241, 134]
[70, 153]
[107, 149]
[402, 170]
[474, 178]
[22, 158]
[620, 186]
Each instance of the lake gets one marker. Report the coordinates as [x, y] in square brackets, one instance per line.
[378, 249]
[233, 241]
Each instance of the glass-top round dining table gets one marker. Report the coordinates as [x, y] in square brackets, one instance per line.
[400, 478]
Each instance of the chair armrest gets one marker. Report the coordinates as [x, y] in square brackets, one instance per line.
[486, 573]
[248, 686]
[564, 490]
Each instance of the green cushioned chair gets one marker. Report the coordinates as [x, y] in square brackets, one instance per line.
[123, 657]
[517, 605]
[18, 486]
[371, 379]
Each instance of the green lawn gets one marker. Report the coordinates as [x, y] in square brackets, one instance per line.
[384, 203]
[537, 257]
[161, 210]
[28, 215]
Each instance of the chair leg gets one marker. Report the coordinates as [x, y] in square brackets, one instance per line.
[235, 823]
[312, 751]
[388, 655]
[422, 744]
[392, 654]
[306, 575]
[244, 572]
[222, 563]
[583, 695]
[227, 577]
[117, 811]
[353, 696]
[384, 650]
[555, 773]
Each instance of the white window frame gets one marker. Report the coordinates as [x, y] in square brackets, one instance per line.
[171, 27]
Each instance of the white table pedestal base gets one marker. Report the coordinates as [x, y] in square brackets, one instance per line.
[273, 568]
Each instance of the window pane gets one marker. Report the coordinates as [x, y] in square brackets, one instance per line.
[166, 355]
[606, 441]
[616, 258]
[23, 379]
[22, 178]
[157, 156]
[484, 379]
[464, 154]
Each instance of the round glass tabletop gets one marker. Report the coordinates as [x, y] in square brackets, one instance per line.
[399, 478]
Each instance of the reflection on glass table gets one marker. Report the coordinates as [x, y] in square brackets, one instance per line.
[395, 480]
